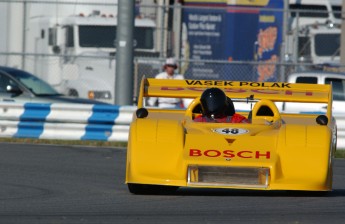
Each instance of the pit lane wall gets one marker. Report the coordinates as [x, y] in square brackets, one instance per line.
[81, 122]
[65, 121]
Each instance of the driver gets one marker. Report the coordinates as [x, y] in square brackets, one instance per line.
[217, 107]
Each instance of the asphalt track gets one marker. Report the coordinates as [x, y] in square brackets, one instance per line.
[73, 184]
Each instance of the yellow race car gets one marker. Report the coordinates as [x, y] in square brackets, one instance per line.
[167, 149]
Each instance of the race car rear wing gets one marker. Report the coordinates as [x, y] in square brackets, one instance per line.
[274, 91]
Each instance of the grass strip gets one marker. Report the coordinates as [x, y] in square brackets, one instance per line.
[65, 142]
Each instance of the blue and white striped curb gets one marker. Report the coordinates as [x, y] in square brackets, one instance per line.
[82, 122]
[65, 121]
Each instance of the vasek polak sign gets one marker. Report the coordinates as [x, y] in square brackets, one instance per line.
[234, 83]
[279, 87]
[276, 90]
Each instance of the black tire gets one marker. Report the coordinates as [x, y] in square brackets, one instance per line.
[309, 193]
[151, 189]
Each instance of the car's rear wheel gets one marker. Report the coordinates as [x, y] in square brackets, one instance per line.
[151, 189]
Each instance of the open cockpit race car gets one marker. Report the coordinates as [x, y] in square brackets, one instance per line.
[167, 149]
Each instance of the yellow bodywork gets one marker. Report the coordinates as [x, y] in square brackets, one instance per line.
[276, 151]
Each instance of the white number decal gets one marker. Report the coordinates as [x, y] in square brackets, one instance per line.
[230, 131]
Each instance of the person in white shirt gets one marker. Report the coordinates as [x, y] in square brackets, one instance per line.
[169, 73]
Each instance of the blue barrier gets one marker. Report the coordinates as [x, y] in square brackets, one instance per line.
[65, 121]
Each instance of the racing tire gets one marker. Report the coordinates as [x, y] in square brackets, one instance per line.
[309, 193]
[151, 189]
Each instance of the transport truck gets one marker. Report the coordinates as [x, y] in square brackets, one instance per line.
[313, 37]
[72, 45]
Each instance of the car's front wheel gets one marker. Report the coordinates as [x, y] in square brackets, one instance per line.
[151, 189]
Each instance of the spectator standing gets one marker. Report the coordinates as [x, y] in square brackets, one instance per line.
[169, 73]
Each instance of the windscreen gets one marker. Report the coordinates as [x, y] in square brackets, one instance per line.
[105, 37]
[338, 87]
[327, 44]
[309, 10]
[34, 84]
[336, 11]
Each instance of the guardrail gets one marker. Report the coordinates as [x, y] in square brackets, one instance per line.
[340, 119]
[65, 121]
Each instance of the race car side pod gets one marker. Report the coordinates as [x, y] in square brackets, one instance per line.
[322, 120]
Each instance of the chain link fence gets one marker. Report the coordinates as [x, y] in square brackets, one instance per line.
[62, 41]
